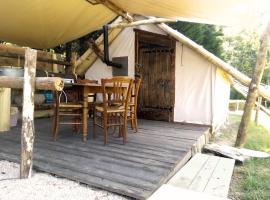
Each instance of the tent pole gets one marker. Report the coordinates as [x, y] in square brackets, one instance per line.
[113, 7]
[140, 22]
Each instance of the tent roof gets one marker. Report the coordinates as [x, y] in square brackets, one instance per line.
[45, 24]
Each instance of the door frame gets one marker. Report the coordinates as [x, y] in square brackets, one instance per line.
[163, 40]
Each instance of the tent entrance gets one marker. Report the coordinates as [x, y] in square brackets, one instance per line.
[155, 64]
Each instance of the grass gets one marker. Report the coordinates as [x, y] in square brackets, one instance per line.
[255, 181]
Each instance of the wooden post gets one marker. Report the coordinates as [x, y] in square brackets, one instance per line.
[54, 65]
[5, 94]
[258, 105]
[253, 88]
[28, 131]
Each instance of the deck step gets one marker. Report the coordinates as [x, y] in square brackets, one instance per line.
[206, 174]
[175, 193]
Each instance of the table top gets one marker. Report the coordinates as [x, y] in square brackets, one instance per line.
[84, 84]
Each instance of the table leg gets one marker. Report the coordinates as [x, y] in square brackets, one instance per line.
[85, 114]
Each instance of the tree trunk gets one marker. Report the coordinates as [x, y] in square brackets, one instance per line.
[28, 131]
[253, 88]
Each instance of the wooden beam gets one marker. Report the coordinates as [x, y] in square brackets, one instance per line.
[113, 7]
[28, 131]
[41, 83]
[258, 104]
[97, 50]
[40, 59]
[141, 22]
[89, 57]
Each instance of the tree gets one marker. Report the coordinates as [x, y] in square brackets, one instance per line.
[209, 36]
[253, 88]
[240, 50]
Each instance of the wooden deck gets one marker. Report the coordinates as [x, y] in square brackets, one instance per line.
[136, 169]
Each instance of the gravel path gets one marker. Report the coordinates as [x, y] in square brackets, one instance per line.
[43, 186]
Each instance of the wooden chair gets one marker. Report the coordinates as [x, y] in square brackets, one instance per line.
[133, 104]
[113, 112]
[70, 108]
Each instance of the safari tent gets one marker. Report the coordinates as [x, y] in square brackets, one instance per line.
[178, 84]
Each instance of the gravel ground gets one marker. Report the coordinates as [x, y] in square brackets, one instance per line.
[45, 186]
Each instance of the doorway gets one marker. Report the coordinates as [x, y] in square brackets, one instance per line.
[155, 64]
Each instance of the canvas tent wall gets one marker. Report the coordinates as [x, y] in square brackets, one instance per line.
[201, 90]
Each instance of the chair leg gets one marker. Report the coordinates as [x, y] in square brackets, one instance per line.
[105, 127]
[124, 132]
[94, 124]
[136, 121]
[132, 120]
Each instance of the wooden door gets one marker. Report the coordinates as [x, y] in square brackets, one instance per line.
[155, 60]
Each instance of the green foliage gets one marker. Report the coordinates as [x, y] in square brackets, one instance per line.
[209, 36]
[240, 50]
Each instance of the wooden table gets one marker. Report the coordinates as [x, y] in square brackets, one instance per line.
[87, 88]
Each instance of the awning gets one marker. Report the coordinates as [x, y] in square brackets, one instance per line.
[45, 24]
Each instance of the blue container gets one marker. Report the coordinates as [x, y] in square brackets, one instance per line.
[48, 96]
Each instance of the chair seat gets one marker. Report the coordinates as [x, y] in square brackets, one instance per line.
[70, 105]
[111, 109]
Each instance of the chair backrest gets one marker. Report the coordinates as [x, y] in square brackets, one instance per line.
[116, 91]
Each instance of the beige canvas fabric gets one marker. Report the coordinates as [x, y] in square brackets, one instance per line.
[45, 24]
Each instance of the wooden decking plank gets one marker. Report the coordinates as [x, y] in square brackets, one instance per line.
[142, 153]
[202, 178]
[186, 136]
[89, 168]
[95, 170]
[219, 183]
[165, 127]
[185, 176]
[145, 164]
[115, 153]
[169, 131]
[82, 177]
[99, 182]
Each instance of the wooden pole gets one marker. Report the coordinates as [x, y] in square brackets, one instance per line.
[41, 83]
[46, 60]
[28, 131]
[242, 78]
[253, 88]
[258, 105]
[141, 22]
[5, 95]
[54, 66]
[113, 7]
